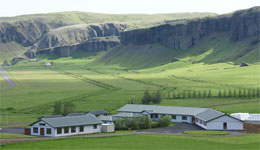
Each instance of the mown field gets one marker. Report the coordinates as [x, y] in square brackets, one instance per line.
[91, 86]
[154, 141]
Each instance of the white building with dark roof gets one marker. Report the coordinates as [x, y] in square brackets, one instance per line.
[206, 118]
[66, 126]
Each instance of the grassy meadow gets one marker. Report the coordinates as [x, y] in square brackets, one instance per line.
[92, 86]
[146, 141]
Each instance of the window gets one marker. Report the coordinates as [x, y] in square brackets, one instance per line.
[66, 130]
[81, 129]
[205, 124]
[173, 116]
[73, 129]
[42, 124]
[184, 117]
[200, 121]
[59, 130]
[94, 126]
[155, 115]
[35, 130]
[151, 115]
[48, 130]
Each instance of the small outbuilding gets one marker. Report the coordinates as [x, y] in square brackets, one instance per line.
[106, 128]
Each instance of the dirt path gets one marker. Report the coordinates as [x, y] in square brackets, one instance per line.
[7, 78]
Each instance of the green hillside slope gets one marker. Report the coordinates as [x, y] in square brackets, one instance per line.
[214, 48]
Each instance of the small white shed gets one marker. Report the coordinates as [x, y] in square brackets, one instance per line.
[108, 128]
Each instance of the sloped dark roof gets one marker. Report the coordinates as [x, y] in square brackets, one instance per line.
[209, 115]
[70, 121]
[174, 110]
[98, 112]
[106, 118]
[76, 114]
[127, 115]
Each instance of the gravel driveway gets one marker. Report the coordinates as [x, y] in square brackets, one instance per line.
[178, 128]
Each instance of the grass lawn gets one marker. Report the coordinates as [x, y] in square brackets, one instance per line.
[12, 136]
[206, 132]
[146, 141]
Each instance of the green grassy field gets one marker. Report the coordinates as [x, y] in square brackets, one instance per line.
[91, 86]
[250, 141]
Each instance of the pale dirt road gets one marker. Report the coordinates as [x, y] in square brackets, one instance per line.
[8, 79]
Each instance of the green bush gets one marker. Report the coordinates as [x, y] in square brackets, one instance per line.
[164, 121]
[133, 123]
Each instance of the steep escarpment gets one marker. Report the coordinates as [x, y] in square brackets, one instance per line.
[240, 25]
[66, 40]
[24, 32]
[93, 45]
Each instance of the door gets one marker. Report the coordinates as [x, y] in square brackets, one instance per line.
[42, 131]
[193, 120]
[224, 125]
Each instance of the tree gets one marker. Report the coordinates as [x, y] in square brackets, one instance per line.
[69, 107]
[179, 95]
[157, 97]
[144, 122]
[189, 94]
[254, 93]
[183, 95]
[173, 95]
[199, 95]
[229, 93]
[169, 95]
[57, 108]
[240, 93]
[194, 94]
[5, 62]
[234, 93]
[244, 94]
[209, 94]
[249, 95]
[258, 92]
[164, 121]
[224, 95]
[219, 94]
[147, 98]
[204, 94]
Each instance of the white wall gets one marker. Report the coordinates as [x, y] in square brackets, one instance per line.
[178, 118]
[232, 124]
[87, 129]
[37, 125]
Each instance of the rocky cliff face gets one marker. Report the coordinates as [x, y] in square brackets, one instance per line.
[24, 32]
[64, 41]
[93, 45]
[240, 25]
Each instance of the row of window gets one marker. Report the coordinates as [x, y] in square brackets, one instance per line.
[72, 129]
[36, 130]
[173, 116]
